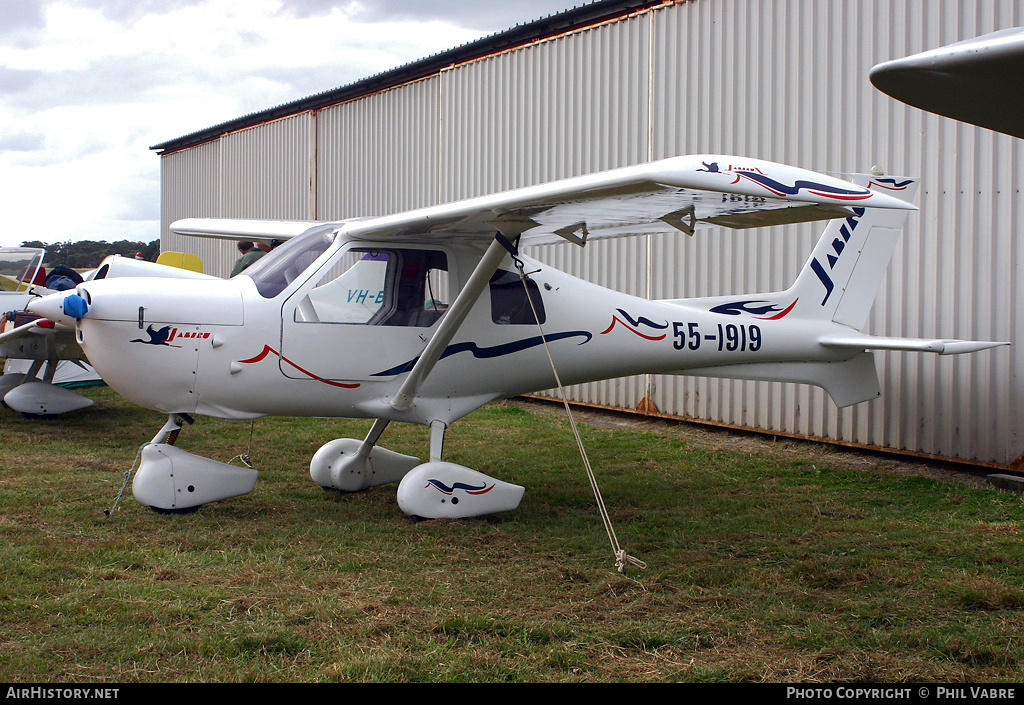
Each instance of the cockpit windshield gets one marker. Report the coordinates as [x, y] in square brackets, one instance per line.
[20, 267]
[277, 269]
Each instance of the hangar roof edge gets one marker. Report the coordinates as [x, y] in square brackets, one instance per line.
[522, 34]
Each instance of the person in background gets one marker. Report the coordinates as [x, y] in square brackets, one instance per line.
[249, 254]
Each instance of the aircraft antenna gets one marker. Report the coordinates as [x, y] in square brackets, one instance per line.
[622, 559]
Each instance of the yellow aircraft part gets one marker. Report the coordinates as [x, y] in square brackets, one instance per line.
[11, 284]
[182, 260]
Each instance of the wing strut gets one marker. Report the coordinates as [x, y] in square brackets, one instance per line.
[451, 323]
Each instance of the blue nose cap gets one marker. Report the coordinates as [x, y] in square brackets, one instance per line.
[75, 306]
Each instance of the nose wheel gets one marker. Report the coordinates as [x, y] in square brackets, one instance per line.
[171, 480]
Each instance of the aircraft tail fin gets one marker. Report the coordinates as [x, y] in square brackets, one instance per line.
[842, 276]
[838, 284]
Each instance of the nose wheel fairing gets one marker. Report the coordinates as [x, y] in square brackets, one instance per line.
[171, 479]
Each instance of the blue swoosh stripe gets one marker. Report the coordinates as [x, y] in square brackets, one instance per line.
[793, 190]
[737, 307]
[485, 353]
[457, 486]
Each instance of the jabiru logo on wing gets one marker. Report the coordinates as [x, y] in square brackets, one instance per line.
[779, 188]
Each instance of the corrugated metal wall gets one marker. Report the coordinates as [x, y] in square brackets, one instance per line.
[785, 80]
[190, 185]
[267, 172]
[788, 81]
[380, 154]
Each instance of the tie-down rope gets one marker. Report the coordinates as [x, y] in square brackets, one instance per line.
[622, 559]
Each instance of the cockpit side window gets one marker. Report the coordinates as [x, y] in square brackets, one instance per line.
[354, 290]
[509, 302]
[420, 290]
[388, 287]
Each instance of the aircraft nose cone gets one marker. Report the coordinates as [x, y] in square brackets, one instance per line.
[75, 306]
[64, 307]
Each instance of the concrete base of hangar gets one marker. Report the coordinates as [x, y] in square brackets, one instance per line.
[1011, 483]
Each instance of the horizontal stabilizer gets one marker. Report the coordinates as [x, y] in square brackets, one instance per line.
[847, 382]
[942, 347]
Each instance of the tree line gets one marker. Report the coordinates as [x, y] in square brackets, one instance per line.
[87, 254]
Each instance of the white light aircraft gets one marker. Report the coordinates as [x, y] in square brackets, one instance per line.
[42, 344]
[26, 337]
[426, 315]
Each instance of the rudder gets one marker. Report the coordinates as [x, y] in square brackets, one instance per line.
[841, 278]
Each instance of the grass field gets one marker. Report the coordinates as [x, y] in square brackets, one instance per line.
[766, 561]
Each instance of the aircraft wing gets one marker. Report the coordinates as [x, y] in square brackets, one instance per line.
[19, 331]
[978, 81]
[680, 194]
[39, 326]
[242, 229]
[16, 342]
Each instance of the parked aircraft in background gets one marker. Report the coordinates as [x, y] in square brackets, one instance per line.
[39, 352]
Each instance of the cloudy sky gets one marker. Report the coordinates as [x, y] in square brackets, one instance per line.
[88, 86]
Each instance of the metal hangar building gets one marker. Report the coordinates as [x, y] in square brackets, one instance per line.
[619, 82]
